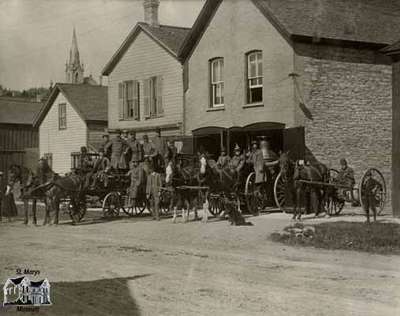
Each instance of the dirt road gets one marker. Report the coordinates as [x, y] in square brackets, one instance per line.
[142, 267]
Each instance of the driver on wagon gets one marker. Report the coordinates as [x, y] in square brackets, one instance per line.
[345, 178]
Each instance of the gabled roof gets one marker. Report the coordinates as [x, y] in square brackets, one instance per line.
[17, 281]
[168, 37]
[373, 22]
[18, 111]
[89, 101]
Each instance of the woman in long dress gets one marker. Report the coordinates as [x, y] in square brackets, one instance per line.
[9, 208]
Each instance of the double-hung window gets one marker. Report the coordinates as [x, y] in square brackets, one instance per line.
[254, 77]
[129, 96]
[217, 82]
[153, 97]
[62, 116]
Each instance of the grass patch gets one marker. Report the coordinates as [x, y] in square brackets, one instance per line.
[380, 238]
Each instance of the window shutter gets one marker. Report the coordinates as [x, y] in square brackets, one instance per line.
[136, 100]
[121, 100]
[146, 98]
[160, 83]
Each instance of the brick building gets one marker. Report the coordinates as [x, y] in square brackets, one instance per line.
[302, 72]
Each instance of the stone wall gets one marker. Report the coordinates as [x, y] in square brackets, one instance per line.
[348, 107]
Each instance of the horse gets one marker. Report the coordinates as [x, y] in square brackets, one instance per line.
[55, 188]
[226, 182]
[314, 195]
[178, 176]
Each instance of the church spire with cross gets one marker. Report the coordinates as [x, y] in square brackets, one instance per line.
[73, 68]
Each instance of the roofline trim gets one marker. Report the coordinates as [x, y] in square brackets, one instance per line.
[109, 67]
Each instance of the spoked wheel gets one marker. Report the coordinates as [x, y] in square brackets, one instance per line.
[214, 204]
[374, 182]
[254, 196]
[112, 204]
[138, 209]
[334, 206]
[282, 197]
[77, 210]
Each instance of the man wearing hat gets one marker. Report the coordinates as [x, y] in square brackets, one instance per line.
[101, 164]
[153, 190]
[370, 198]
[170, 153]
[251, 154]
[85, 162]
[136, 176]
[160, 148]
[148, 153]
[134, 147]
[237, 161]
[223, 159]
[117, 145]
[106, 140]
[345, 177]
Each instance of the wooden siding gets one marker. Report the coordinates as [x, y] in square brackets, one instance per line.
[145, 59]
[237, 28]
[14, 139]
[62, 142]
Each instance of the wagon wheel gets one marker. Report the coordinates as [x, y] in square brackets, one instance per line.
[282, 196]
[77, 210]
[334, 206]
[254, 198]
[381, 192]
[140, 206]
[112, 205]
[214, 204]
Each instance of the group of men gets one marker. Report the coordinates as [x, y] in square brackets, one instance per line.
[260, 155]
[145, 159]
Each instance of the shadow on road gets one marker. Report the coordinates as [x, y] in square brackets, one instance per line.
[97, 298]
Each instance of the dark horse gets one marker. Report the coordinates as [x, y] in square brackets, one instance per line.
[180, 174]
[226, 183]
[313, 196]
[55, 188]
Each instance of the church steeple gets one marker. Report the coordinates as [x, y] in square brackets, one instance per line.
[73, 68]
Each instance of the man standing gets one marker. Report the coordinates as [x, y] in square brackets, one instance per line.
[85, 162]
[252, 153]
[149, 153]
[153, 190]
[134, 147]
[160, 148]
[237, 161]
[117, 146]
[370, 199]
[106, 140]
[223, 159]
[136, 176]
[170, 153]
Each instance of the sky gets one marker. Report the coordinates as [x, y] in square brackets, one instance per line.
[36, 35]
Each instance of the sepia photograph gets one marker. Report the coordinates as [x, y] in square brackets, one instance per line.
[200, 157]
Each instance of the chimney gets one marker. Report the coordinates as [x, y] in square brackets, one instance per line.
[151, 12]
